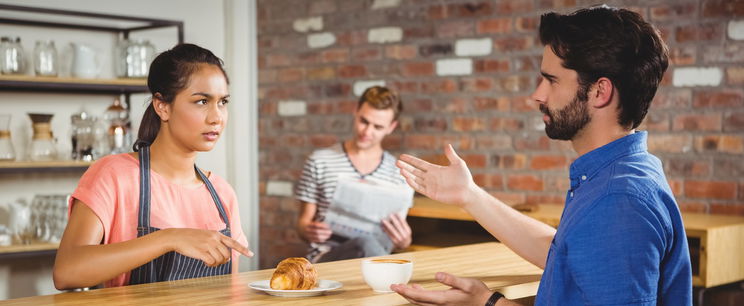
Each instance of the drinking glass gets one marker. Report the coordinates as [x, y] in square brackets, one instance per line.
[20, 223]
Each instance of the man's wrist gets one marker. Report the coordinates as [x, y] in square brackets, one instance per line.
[474, 193]
[495, 297]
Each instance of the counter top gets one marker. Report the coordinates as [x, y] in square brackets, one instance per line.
[491, 262]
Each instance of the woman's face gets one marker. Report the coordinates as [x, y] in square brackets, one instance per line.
[198, 114]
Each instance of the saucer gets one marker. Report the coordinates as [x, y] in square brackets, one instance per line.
[323, 286]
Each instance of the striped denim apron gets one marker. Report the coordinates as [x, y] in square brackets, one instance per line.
[171, 265]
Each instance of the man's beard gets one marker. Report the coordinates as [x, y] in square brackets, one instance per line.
[567, 122]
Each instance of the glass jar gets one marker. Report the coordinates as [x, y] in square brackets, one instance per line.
[45, 58]
[133, 58]
[12, 57]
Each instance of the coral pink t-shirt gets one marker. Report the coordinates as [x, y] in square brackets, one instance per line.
[110, 187]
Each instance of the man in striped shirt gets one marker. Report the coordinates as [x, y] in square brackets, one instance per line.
[361, 158]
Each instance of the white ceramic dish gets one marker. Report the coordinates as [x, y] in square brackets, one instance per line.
[323, 286]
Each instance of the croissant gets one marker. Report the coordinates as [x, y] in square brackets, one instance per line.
[294, 273]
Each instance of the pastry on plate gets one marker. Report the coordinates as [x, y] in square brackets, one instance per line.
[294, 273]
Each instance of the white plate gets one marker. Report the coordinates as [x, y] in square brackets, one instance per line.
[323, 286]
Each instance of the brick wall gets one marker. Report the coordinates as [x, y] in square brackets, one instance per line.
[465, 70]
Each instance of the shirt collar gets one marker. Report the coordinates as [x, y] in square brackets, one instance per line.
[590, 163]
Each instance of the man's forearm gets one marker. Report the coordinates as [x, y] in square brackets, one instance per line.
[526, 236]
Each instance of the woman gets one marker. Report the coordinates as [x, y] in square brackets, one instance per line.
[152, 215]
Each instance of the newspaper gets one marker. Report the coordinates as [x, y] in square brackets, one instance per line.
[359, 206]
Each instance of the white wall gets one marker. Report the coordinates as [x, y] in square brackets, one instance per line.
[206, 23]
[242, 170]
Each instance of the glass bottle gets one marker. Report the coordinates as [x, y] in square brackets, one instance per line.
[117, 118]
[12, 57]
[45, 58]
[7, 153]
[82, 136]
[100, 136]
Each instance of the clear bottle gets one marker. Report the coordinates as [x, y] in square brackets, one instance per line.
[117, 118]
[7, 153]
[82, 136]
[45, 58]
[12, 57]
[100, 136]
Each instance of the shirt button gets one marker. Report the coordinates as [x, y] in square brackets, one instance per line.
[572, 194]
[583, 177]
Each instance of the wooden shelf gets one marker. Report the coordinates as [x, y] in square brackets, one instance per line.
[51, 166]
[27, 250]
[441, 240]
[58, 84]
[34, 247]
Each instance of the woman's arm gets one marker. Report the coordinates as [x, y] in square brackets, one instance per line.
[82, 261]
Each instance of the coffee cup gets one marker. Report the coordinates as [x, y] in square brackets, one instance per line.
[380, 273]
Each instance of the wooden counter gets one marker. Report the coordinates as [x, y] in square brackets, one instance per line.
[428, 208]
[492, 262]
[716, 241]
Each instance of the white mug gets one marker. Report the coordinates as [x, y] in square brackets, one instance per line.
[85, 63]
[380, 273]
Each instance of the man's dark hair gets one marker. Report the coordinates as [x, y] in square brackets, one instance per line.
[380, 97]
[613, 43]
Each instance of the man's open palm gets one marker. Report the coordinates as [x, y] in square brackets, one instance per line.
[448, 184]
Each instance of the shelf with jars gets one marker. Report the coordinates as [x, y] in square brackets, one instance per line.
[70, 84]
[43, 166]
[35, 228]
[39, 70]
[131, 63]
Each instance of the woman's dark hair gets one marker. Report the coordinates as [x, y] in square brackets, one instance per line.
[613, 43]
[170, 73]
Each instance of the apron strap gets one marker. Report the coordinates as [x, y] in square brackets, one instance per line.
[215, 197]
[143, 220]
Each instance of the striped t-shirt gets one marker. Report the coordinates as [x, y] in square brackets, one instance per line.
[324, 168]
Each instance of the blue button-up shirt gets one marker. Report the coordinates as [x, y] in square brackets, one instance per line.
[621, 240]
